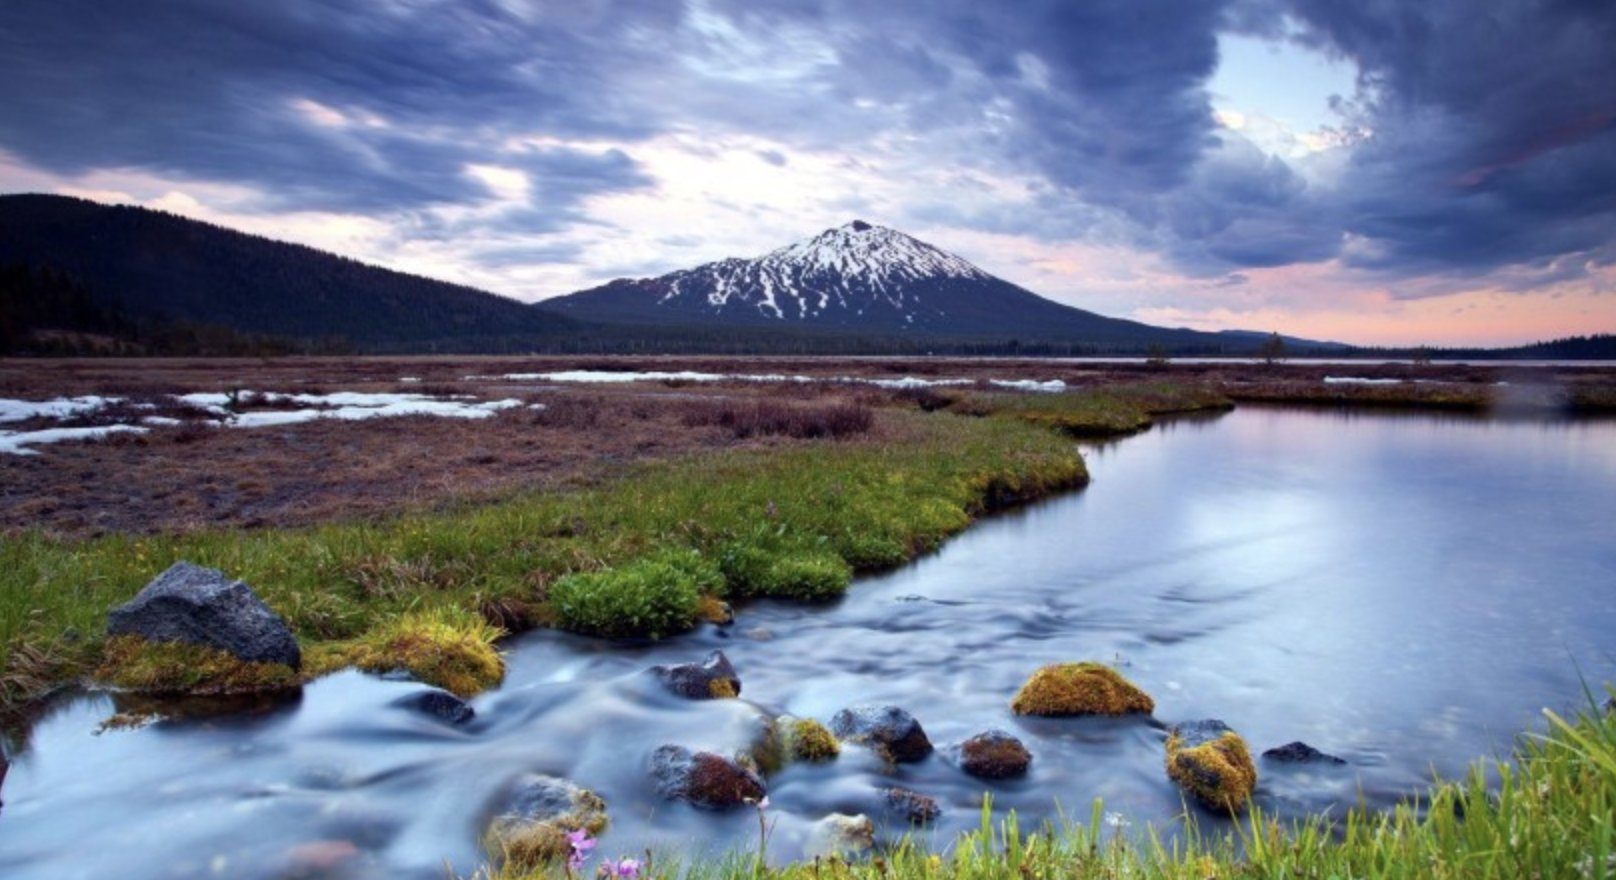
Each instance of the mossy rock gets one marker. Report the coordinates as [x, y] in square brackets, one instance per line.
[808, 740]
[712, 679]
[703, 779]
[994, 755]
[135, 664]
[714, 610]
[911, 807]
[1080, 689]
[450, 648]
[541, 810]
[1210, 761]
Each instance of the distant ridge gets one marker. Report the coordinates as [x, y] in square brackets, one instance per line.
[156, 266]
[866, 279]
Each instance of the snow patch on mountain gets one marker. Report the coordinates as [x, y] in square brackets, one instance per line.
[850, 268]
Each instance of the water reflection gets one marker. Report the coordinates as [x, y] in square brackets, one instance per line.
[1405, 591]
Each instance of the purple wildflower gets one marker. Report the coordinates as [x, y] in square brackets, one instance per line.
[581, 844]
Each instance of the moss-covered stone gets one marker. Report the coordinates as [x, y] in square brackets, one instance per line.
[1210, 761]
[994, 755]
[714, 610]
[704, 779]
[133, 663]
[712, 679]
[1080, 689]
[532, 832]
[450, 648]
[808, 740]
[911, 807]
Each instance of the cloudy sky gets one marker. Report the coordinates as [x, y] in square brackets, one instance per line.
[1376, 171]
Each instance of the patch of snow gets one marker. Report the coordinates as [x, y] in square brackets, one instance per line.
[1357, 380]
[1053, 385]
[415, 405]
[212, 402]
[409, 378]
[161, 421]
[16, 442]
[605, 376]
[907, 382]
[57, 408]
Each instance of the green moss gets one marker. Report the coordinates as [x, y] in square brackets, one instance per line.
[1219, 772]
[1080, 689]
[450, 648]
[132, 663]
[808, 740]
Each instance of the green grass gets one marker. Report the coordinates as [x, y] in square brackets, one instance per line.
[1551, 814]
[792, 522]
[1115, 409]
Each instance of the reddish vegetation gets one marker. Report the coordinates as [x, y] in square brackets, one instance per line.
[196, 476]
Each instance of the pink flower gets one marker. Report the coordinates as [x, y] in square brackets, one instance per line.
[624, 869]
[581, 844]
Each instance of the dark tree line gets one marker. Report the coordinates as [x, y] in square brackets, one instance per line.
[45, 311]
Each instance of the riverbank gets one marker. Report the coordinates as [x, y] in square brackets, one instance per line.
[792, 519]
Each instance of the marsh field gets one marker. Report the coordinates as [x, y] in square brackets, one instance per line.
[1400, 564]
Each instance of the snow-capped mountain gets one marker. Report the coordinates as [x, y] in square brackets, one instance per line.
[858, 278]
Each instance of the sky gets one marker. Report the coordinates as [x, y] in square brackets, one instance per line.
[1401, 172]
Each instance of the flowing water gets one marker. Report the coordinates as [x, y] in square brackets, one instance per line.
[1403, 591]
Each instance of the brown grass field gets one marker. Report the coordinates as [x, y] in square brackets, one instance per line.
[194, 476]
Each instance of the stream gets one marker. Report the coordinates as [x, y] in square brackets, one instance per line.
[1404, 591]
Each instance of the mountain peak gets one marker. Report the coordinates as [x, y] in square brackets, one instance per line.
[859, 226]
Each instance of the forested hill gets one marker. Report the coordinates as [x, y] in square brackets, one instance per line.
[149, 266]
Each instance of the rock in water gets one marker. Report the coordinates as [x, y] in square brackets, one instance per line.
[439, 704]
[1210, 761]
[911, 806]
[887, 729]
[538, 814]
[1080, 689]
[713, 678]
[840, 835]
[200, 606]
[1300, 753]
[994, 755]
[704, 779]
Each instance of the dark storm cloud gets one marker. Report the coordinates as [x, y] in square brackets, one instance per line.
[1494, 130]
[1493, 121]
[1105, 98]
[220, 90]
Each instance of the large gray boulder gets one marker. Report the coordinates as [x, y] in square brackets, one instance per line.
[200, 606]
